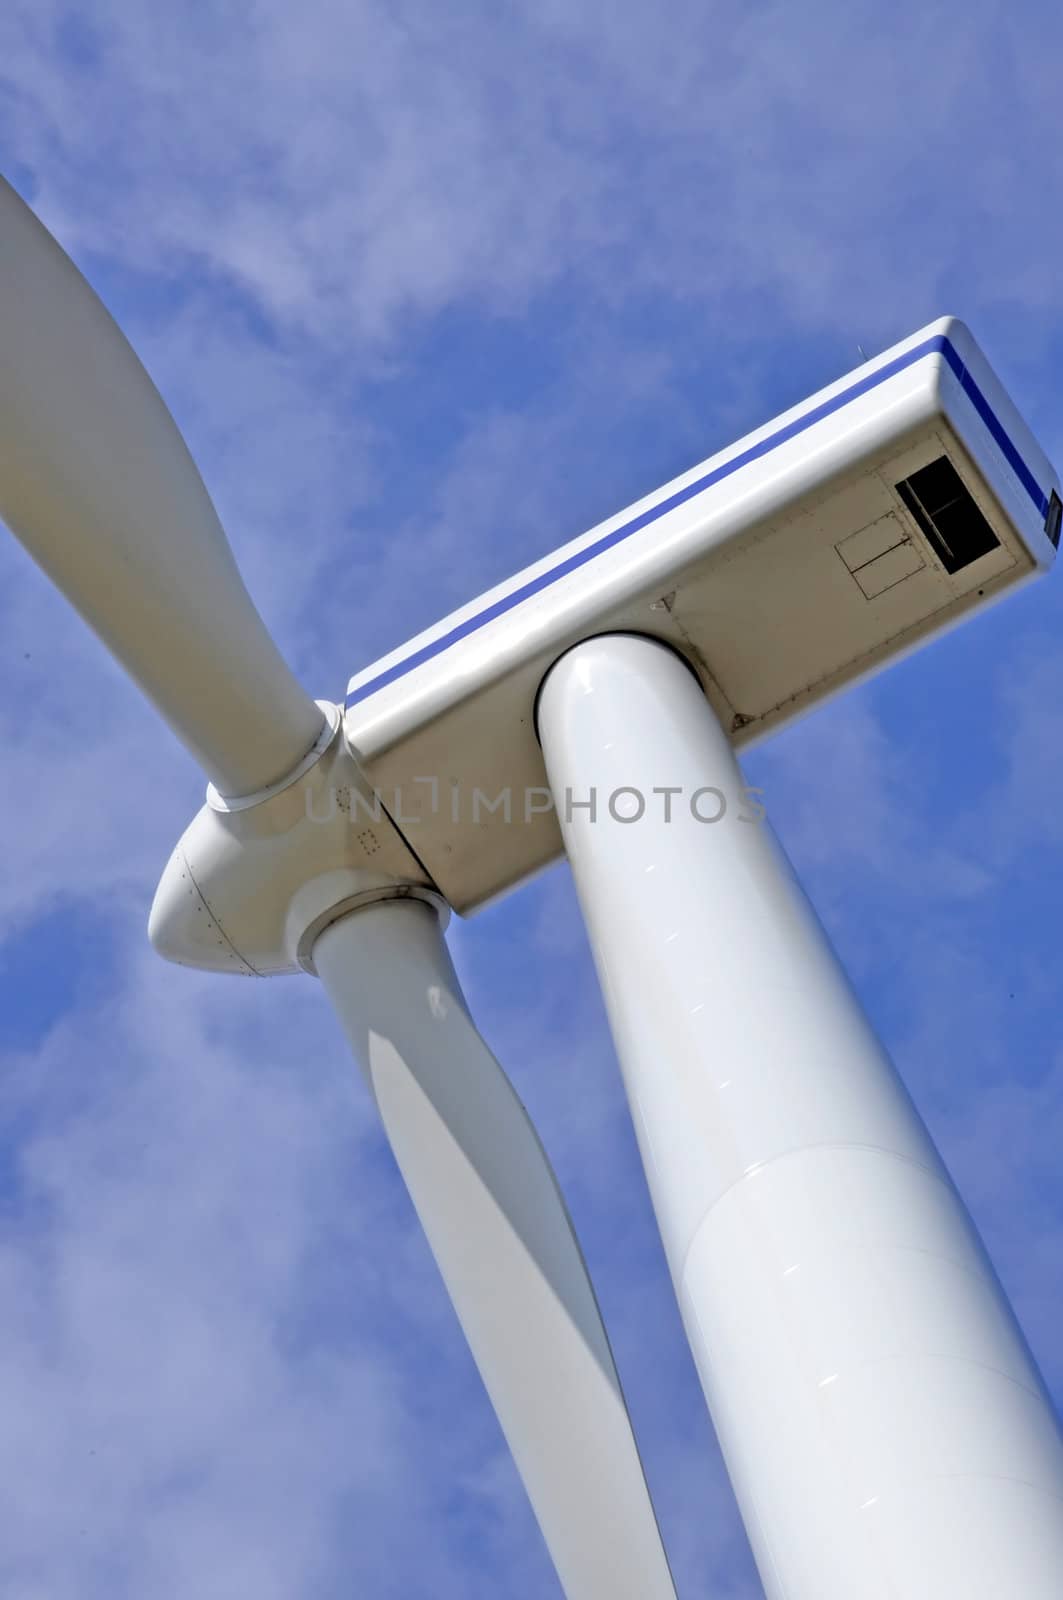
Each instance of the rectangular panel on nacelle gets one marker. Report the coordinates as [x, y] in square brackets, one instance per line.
[808, 555]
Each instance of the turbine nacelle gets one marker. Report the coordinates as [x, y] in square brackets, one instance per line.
[783, 569]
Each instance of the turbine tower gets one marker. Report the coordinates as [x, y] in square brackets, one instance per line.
[882, 1420]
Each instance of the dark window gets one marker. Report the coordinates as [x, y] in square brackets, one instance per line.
[943, 507]
[1054, 518]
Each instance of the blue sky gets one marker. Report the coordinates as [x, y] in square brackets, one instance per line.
[431, 289]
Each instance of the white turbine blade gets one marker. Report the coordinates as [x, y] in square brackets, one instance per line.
[490, 1205]
[97, 483]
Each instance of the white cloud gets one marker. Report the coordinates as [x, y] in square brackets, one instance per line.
[202, 1337]
[354, 167]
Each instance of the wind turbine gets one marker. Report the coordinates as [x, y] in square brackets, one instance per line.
[881, 1417]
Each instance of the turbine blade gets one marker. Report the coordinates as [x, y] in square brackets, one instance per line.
[490, 1205]
[97, 483]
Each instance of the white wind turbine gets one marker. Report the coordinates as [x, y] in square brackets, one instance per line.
[882, 1420]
